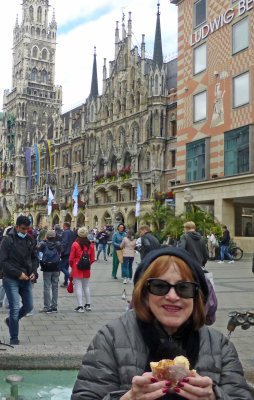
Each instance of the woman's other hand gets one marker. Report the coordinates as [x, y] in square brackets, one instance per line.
[196, 388]
[146, 387]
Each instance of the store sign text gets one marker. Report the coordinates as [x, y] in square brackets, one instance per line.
[226, 18]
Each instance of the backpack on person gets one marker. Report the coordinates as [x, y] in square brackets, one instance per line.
[50, 259]
[84, 261]
[212, 302]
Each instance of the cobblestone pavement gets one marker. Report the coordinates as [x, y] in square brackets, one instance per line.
[60, 340]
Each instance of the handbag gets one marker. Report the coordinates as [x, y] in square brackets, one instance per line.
[119, 254]
[70, 288]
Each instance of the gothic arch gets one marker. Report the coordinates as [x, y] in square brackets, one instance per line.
[101, 166]
[44, 54]
[67, 218]
[121, 136]
[106, 219]
[34, 74]
[55, 220]
[131, 221]
[156, 85]
[80, 220]
[31, 13]
[44, 76]
[135, 133]
[127, 160]
[39, 14]
[113, 163]
[35, 52]
[38, 219]
[38, 32]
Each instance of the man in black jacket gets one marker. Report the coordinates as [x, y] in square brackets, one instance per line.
[193, 242]
[19, 262]
[68, 237]
[224, 245]
[148, 241]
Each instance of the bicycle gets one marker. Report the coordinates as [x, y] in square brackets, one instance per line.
[235, 251]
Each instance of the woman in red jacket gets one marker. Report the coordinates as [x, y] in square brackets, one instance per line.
[81, 277]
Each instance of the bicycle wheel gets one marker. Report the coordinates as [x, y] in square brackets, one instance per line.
[237, 253]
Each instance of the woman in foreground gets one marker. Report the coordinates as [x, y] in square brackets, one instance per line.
[167, 320]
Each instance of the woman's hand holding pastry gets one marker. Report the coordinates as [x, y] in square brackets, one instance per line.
[196, 388]
[146, 387]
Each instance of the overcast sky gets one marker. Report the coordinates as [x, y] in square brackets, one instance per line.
[83, 24]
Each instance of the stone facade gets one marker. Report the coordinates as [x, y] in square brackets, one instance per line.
[215, 112]
[124, 136]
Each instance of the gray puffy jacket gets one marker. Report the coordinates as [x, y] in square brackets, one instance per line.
[118, 352]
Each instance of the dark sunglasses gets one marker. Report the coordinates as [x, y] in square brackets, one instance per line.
[159, 287]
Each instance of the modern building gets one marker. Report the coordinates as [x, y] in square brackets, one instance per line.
[107, 145]
[215, 115]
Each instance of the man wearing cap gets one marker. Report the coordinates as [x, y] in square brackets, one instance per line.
[50, 249]
[19, 262]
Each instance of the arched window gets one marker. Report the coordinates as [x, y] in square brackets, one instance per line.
[44, 76]
[156, 88]
[38, 31]
[35, 52]
[43, 33]
[23, 111]
[32, 31]
[132, 102]
[31, 13]
[101, 167]
[44, 54]
[39, 14]
[34, 74]
[35, 116]
[114, 163]
[106, 112]
[138, 99]
[92, 113]
[127, 160]
[148, 161]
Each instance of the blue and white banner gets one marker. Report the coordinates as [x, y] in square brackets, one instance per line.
[28, 165]
[75, 200]
[50, 199]
[139, 192]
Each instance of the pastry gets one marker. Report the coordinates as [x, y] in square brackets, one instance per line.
[172, 370]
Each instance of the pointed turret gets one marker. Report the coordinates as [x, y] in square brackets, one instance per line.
[94, 85]
[157, 51]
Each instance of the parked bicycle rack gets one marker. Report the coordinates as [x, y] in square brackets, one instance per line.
[243, 319]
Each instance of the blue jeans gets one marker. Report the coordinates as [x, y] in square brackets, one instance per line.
[224, 252]
[50, 283]
[14, 289]
[127, 267]
[102, 247]
[64, 268]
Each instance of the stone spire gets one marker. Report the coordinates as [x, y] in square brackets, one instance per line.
[94, 85]
[157, 51]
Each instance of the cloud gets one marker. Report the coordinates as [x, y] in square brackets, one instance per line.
[83, 24]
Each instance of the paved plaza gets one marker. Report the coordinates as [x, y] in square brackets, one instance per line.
[60, 340]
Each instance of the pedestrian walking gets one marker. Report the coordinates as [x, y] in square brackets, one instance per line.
[50, 249]
[102, 238]
[167, 320]
[128, 245]
[193, 242]
[224, 246]
[68, 238]
[212, 245]
[117, 253]
[148, 241]
[82, 247]
[19, 261]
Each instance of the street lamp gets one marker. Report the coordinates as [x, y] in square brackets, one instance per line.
[188, 196]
